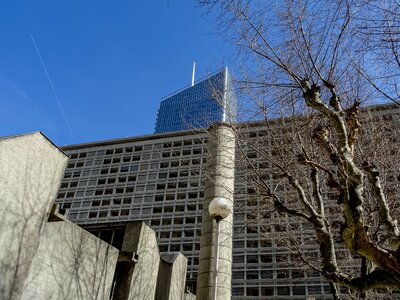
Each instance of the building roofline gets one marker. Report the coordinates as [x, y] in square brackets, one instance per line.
[375, 107]
[196, 82]
[147, 137]
[156, 136]
[32, 133]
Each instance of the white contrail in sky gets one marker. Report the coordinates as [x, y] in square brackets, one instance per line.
[52, 86]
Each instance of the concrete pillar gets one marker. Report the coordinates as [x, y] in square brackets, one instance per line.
[219, 182]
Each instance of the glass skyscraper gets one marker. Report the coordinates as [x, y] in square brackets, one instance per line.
[210, 100]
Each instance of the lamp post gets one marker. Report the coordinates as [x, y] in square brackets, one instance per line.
[219, 208]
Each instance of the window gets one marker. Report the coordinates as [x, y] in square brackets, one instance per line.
[237, 291]
[252, 259]
[283, 290]
[267, 291]
[158, 198]
[155, 222]
[189, 233]
[252, 244]
[267, 274]
[127, 200]
[252, 275]
[164, 235]
[299, 290]
[125, 212]
[252, 291]
[180, 208]
[167, 222]
[314, 289]
[162, 175]
[238, 275]
[187, 247]
[146, 210]
[190, 220]
[282, 274]
[238, 259]
[238, 244]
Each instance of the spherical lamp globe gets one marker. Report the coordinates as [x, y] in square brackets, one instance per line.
[219, 208]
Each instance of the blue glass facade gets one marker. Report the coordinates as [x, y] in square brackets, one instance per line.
[210, 100]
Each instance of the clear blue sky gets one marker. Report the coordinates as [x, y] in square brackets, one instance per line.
[109, 62]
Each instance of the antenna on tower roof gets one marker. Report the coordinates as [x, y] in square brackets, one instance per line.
[194, 70]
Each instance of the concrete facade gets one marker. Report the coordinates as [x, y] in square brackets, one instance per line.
[142, 272]
[142, 241]
[31, 169]
[70, 263]
[45, 256]
[160, 179]
[171, 277]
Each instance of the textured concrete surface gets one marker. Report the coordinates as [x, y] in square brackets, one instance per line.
[219, 182]
[70, 263]
[189, 296]
[171, 277]
[45, 256]
[141, 240]
[31, 169]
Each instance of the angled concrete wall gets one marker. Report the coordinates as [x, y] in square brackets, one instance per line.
[44, 256]
[70, 263]
[31, 169]
[142, 261]
[171, 277]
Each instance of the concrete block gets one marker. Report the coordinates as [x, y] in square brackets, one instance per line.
[31, 169]
[70, 263]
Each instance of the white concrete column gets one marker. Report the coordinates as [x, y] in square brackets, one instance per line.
[219, 183]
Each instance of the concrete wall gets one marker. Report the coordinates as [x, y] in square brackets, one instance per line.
[189, 296]
[171, 277]
[177, 278]
[70, 263]
[141, 240]
[31, 169]
[44, 257]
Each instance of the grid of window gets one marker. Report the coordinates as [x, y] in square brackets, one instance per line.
[159, 180]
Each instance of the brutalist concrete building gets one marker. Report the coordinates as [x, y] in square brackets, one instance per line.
[159, 179]
[45, 256]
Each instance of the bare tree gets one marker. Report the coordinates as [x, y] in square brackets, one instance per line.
[307, 71]
[380, 31]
